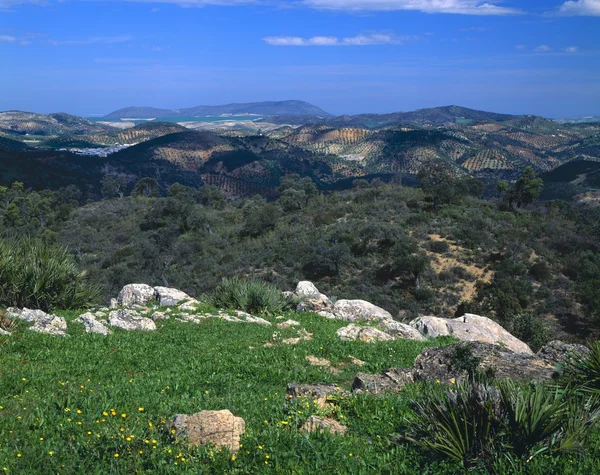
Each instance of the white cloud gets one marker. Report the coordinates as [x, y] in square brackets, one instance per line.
[465, 7]
[359, 40]
[94, 40]
[542, 49]
[571, 49]
[7, 39]
[580, 8]
[520, 46]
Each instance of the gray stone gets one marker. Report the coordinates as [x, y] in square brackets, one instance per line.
[560, 353]
[442, 364]
[92, 325]
[366, 334]
[130, 320]
[42, 321]
[159, 316]
[136, 294]
[220, 428]
[356, 310]
[321, 394]
[400, 330]
[390, 381]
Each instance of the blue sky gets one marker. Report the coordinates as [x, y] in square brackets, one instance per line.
[348, 56]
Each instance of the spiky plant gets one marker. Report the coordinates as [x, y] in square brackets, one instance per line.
[252, 296]
[37, 275]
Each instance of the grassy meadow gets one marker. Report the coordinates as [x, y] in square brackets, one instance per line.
[92, 404]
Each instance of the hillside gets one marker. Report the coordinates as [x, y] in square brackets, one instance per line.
[292, 108]
[17, 123]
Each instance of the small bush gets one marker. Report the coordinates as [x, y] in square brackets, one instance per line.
[530, 329]
[36, 275]
[439, 247]
[249, 295]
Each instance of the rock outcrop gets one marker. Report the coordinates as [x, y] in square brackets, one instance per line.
[220, 428]
[321, 394]
[470, 327]
[42, 321]
[560, 353]
[130, 320]
[449, 362]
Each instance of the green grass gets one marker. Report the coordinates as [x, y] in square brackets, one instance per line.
[55, 391]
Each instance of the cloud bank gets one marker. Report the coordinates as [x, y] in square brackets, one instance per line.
[464, 7]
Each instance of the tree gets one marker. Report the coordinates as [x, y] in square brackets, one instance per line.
[211, 195]
[114, 185]
[146, 187]
[525, 190]
[436, 180]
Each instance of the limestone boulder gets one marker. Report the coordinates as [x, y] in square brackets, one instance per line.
[400, 330]
[136, 294]
[357, 310]
[321, 424]
[168, 297]
[307, 289]
[130, 320]
[92, 325]
[220, 428]
[470, 327]
[366, 334]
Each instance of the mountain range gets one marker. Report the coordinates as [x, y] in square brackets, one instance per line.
[334, 151]
[269, 108]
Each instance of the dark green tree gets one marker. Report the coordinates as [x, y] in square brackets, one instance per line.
[148, 187]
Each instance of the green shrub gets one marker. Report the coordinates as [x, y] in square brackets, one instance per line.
[439, 247]
[476, 424]
[584, 374]
[34, 274]
[530, 329]
[252, 296]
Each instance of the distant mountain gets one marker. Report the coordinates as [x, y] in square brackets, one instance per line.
[435, 116]
[270, 108]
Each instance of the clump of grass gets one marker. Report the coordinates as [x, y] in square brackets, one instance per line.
[252, 296]
[34, 274]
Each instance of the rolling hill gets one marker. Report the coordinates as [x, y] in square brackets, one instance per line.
[270, 108]
[18, 124]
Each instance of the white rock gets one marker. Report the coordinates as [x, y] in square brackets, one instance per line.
[136, 294]
[356, 310]
[130, 320]
[92, 325]
[470, 327]
[42, 321]
[4, 332]
[114, 303]
[307, 289]
[56, 326]
[169, 297]
[159, 316]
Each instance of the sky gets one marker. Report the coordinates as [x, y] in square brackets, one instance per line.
[89, 57]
